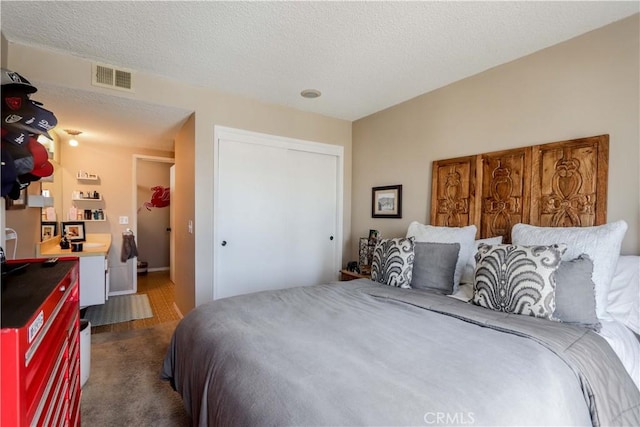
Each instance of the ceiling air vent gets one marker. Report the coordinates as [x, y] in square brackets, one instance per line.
[111, 77]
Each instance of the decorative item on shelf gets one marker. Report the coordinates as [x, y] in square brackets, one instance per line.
[353, 266]
[365, 255]
[386, 202]
[89, 195]
[64, 242]
[97, 215]
[49, 214]
[74, 231]
[49, 229]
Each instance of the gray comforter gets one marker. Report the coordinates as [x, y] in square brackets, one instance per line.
[358, 353]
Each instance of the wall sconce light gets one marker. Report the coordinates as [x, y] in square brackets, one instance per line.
[74, 133]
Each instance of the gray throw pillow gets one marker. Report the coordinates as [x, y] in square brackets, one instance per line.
[575, 293]
[434, 266]
[393, 262]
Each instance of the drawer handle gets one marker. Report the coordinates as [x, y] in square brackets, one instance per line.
[63, 288]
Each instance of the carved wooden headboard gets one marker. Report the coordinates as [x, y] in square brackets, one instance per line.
[560, 184]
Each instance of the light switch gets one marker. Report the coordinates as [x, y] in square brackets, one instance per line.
[190, 227]
[124, 220]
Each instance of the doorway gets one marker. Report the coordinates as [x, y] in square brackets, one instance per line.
[151, 222]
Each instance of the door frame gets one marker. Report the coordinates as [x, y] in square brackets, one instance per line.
[133, 224]
[250, 137]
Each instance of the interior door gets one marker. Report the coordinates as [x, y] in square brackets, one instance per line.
[276, 218]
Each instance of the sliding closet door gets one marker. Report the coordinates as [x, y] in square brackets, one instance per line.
[250, 224]
[311, 217]
[276, 217]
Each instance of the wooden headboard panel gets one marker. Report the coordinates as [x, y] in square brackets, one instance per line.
[560, 184]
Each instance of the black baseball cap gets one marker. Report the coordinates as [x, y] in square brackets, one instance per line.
[33, 119]
[12, 80]
[9, 174]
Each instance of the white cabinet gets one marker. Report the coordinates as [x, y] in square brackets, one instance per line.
[93, 280]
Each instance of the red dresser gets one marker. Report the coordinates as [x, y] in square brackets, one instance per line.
[40, 342]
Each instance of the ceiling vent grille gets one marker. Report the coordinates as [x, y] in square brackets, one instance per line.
[111, 77]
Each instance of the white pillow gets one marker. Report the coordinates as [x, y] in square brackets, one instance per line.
[602, 244]
[463, 235]
[469, 269]
[623, 300]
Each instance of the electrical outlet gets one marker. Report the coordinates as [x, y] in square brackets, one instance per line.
[124, 220]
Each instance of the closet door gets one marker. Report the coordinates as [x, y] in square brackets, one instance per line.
[311, 218]
[276, 217]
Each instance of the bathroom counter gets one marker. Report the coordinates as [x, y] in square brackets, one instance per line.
[94, 265]
[96, 244]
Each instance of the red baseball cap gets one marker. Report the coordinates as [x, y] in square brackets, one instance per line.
[41, 165]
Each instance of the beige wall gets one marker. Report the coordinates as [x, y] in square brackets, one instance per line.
[184, 211]
[26, 223]
[3, 50]
[211, 108]
[584, 87]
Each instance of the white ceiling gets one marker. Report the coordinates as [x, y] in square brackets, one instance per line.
[362, 56]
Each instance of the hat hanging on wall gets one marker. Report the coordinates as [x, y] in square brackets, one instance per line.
[12, 80]
[9, 174]
[27, 116]
[24, 159]
[41, 165]
[15, 137]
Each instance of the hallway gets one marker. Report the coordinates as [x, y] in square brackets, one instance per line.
[160, 291]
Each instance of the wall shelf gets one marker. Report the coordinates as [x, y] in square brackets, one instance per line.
[87, 177]
[87, 199]
[36, 201]
[94, 220]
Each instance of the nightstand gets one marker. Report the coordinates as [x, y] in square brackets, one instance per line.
[346, 275]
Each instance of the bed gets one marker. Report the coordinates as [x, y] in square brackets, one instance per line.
[420, 343]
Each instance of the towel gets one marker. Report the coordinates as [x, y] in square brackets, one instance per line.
[129, 249]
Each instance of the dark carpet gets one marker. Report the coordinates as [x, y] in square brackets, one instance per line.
[124, 386]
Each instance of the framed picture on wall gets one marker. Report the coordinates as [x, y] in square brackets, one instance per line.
[19, 203]
[386, 202]
[74, 230]
[49, 230]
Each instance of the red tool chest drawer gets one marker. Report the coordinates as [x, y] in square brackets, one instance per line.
[39, 336]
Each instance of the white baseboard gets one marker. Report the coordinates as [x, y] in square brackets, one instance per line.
[150, 270]
[175, 307]
[116, 293]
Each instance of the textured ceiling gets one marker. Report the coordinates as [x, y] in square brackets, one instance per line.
[362, 56]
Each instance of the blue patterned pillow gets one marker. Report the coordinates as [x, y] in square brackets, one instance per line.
[393, 262]
[517, 279]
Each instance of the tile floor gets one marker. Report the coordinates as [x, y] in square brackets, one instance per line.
[160, 291]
